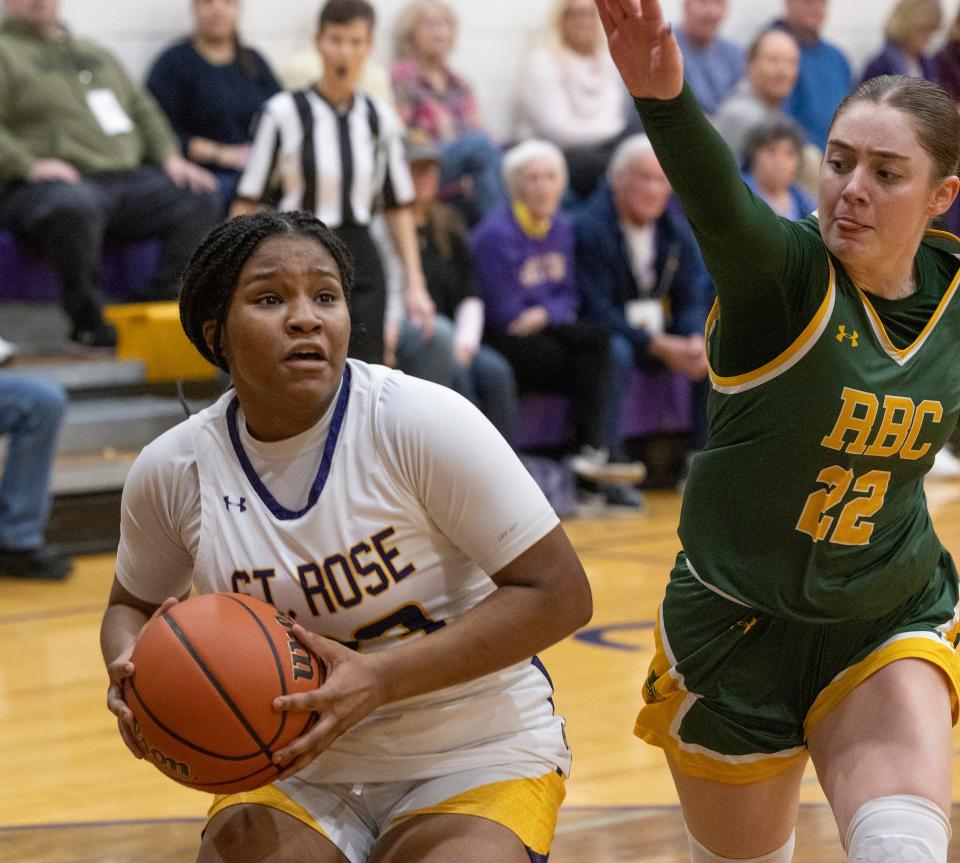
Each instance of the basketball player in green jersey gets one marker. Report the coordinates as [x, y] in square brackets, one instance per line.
[812, 610]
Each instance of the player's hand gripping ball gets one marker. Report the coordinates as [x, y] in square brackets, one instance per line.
[205, 676]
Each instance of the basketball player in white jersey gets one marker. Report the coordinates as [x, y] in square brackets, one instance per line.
[392, 522]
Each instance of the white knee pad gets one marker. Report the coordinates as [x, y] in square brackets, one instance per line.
[701, 854]
[898, 829]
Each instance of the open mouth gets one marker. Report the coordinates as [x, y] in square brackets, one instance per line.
[305, 358]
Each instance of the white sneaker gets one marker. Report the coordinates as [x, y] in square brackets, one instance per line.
[945, 466]
[595, 464]
[7, 351]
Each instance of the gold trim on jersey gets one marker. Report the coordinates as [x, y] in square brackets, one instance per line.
[898, 355]
[928, 646]
[667, 702]
[526, 807]
[790, 357]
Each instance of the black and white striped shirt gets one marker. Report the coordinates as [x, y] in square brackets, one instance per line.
[341, 167]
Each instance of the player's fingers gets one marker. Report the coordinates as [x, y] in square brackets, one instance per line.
[130, 740]
[117, 706]
[301, 702]
[296, 766]
[119, 670]
[320, 735]
[324, 649]
[606, 19]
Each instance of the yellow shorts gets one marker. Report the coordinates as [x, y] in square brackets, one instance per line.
[527, 806]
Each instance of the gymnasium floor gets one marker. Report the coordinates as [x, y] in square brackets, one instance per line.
[72, 793]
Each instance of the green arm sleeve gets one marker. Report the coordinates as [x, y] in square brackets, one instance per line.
[770, 273]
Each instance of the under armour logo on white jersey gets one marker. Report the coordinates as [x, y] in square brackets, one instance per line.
[240, 505]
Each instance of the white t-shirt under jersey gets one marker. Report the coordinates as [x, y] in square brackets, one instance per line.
[380, 523]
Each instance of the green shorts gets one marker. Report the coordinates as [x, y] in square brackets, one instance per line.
[732, 693]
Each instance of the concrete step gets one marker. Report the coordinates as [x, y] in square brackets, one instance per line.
[110, 424]
[80, 374]
[91, 473]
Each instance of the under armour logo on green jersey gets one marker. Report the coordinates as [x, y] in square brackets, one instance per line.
[843, 334]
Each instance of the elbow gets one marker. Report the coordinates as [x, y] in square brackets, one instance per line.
[577, 604]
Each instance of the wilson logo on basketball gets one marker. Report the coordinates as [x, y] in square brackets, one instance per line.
[164, 762]
[301, 658]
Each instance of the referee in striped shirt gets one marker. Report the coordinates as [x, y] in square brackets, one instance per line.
[335, 152]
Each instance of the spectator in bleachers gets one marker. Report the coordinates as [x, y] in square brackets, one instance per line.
[86, 155]
[641, 275]
[524, 256]
[910, 26]
[570, 93]
[947, 61]
[31, 411]
[479, 372]
[824, 77]
[362, 170]
[435, 99]
[712, 65]
[771, 164]
[773, 60]
[211, 87]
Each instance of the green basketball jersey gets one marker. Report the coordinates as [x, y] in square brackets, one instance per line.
[808, 500]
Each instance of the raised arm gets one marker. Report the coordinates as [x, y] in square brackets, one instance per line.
[764, 267]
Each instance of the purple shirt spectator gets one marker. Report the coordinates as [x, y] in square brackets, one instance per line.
[516, 272]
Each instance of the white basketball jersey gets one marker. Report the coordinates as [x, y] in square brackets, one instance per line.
[371, 560]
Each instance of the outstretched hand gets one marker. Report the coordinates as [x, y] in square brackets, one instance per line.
[643, 47]
[118, 671]
[351, 690]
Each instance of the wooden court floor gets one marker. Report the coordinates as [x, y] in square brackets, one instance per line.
[72, 794]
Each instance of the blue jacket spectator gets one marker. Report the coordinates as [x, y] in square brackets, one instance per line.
[824, 77]
[712, 66]
[608, 283]
[641, 274]
[211, 88]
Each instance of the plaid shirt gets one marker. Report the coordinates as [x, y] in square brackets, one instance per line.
[443, 115]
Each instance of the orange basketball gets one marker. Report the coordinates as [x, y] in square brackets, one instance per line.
[205, 677]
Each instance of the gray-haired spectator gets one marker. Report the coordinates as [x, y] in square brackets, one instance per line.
[712, 65]
[641, 274]
[772, 63]
[524, 256]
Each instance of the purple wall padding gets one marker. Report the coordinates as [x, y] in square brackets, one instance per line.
[657, 401]
[25, 276]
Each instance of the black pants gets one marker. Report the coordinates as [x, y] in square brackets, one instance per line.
[68, 223]
[571, 359]
[369, 299]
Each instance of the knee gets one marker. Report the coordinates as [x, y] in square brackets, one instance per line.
[71, 208]
[899, 827]
[701, 854]
[50, 401]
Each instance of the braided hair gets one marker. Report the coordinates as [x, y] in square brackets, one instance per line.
[210, 277]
